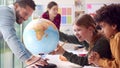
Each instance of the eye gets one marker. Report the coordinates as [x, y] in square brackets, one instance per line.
[77, 30]
[98, 27]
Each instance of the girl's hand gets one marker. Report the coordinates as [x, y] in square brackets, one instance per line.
[93, 58]
[58, 50]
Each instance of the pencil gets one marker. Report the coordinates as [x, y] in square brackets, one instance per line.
[64, 43]
[60, 46]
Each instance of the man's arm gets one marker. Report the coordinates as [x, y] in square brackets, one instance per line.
[7, 20]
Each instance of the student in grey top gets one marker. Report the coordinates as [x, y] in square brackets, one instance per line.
[19, 12]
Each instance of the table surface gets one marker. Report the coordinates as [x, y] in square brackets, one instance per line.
[66, 64]
[61, 64]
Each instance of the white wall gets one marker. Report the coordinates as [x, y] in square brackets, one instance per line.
[64, 28]
[72, 1]
[96, 4]
[102, 1]
[45, 2]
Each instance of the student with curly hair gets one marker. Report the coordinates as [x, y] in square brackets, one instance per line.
[108, 17]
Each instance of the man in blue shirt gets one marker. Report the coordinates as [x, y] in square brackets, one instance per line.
[19, 12]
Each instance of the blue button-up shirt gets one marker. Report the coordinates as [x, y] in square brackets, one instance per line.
[7, 31]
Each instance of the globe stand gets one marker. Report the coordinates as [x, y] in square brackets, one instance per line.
[50, 65]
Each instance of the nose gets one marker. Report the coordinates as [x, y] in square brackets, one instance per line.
[102, 30]
[25, 18]
[76, 33]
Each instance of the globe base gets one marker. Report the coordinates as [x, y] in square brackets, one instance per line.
[50, 65]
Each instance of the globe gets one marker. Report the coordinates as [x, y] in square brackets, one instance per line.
[40, 36]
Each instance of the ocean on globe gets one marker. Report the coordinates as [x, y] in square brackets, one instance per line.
[40, 36]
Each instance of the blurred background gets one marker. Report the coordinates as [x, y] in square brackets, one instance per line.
[69, 10]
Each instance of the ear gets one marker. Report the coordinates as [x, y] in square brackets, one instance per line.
[16, 5]
[114, 26]
[90, 28]
[96, 55]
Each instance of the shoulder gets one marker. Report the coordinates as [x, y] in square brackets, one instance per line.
[4, 8]
[45, 15]
[115, 40]
[58, 15]
[6, 11]
[117, 36]
[7, 15]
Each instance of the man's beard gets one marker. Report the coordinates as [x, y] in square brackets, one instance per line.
[18, 17]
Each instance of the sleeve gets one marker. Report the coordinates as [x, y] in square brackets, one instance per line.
[72, 39]
[58, 20]
[76, 59]
[115, 63]
[68, 38]
[45, 15]
[9, 34]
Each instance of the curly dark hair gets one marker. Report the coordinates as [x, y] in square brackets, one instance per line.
[109, 14]
[102, 47]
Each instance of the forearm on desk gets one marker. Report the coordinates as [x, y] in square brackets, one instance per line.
[76, 59]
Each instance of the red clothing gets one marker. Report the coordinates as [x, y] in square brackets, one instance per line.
[56, 21]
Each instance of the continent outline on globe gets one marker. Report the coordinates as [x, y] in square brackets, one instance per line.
[44, 32]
